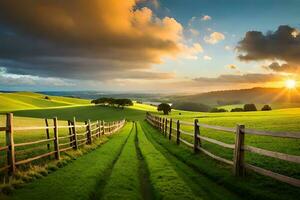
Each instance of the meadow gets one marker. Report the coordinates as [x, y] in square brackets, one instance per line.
[140, 163]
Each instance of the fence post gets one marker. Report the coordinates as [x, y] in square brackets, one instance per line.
[103, 128]
[238, 159]
[166, 127]
[163, 125]
[70, 133]
[75, 134]
[56, 139]
[178, 133]
[196, 134]
[160, 120]
[89, 133]
[170, 130]
[99, 128]
[47, 133]
[10, 142]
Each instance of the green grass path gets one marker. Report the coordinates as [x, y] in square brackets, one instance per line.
[166, 182]
[123, 182]
[78, 179]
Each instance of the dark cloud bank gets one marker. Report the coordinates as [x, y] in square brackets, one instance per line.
[282, 44]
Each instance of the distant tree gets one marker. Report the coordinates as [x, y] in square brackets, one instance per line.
[218, 110]
[48, 98]
[237, 110]
[123, 102]
[266, 108]
[166, 108]
[250, 107]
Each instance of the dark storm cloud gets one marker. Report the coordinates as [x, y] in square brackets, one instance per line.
[283, 44]
[85, 39]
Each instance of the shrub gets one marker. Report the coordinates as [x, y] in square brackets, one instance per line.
[47, 98]
[266, 108]
[218, 110]
[250, 107]
[237, 110]
[166, 108]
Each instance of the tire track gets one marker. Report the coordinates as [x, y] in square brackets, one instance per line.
[147, 190]
[201, 185]
[98, 192]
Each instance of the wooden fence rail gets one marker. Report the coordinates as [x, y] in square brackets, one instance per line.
[75, 138]
[238, 163]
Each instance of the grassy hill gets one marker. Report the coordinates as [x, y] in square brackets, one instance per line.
[29, 100]
[277, 97]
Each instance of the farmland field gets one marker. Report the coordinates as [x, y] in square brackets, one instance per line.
[139, 163]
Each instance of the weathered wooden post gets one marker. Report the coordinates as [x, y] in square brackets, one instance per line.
[75, 135]
[178, 133]
[196, 134]
[238, 160]
[99, 127]
[160, 122]
[70, 132]
[163, 125]
[166, 127]
[47, 133]
[10, 143]
[89, 132]
[170, 130]
[56, 139]
[103, 128]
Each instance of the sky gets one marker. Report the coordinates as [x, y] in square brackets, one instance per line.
[174, 46]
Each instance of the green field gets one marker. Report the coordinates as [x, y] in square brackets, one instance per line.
[139, 163]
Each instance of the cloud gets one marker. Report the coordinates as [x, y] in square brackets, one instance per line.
[282, 44]
[86, 39]
[205, 18]
[207, 57]
[240, 79]
[231, 66]
[214, 38]
[228, 48]
[277, 67]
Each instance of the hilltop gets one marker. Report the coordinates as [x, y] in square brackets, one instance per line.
[30, 100]
[279, 97]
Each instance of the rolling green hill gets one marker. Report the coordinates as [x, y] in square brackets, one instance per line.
[276, 97]
[29, 100]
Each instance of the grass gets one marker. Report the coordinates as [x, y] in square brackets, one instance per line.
[124, 180]
[166, 182]
[252, 186]
[27, 100]
[78, 179]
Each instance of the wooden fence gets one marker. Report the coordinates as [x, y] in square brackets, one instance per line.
[75, 138]
[165, 125]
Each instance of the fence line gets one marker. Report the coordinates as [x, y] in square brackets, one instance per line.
[92, 131]
[238, 163]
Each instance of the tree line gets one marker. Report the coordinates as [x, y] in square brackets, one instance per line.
[120, 103]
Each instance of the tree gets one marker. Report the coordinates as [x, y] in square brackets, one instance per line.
[237, 110]
[218, 110]
[47, 98]
[250, 107]
[266, 108]
[166, 108]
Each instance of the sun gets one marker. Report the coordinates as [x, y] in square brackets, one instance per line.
[290, 84]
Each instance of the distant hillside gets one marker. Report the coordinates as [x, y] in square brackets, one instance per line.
[30, 100]
[254, 95]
